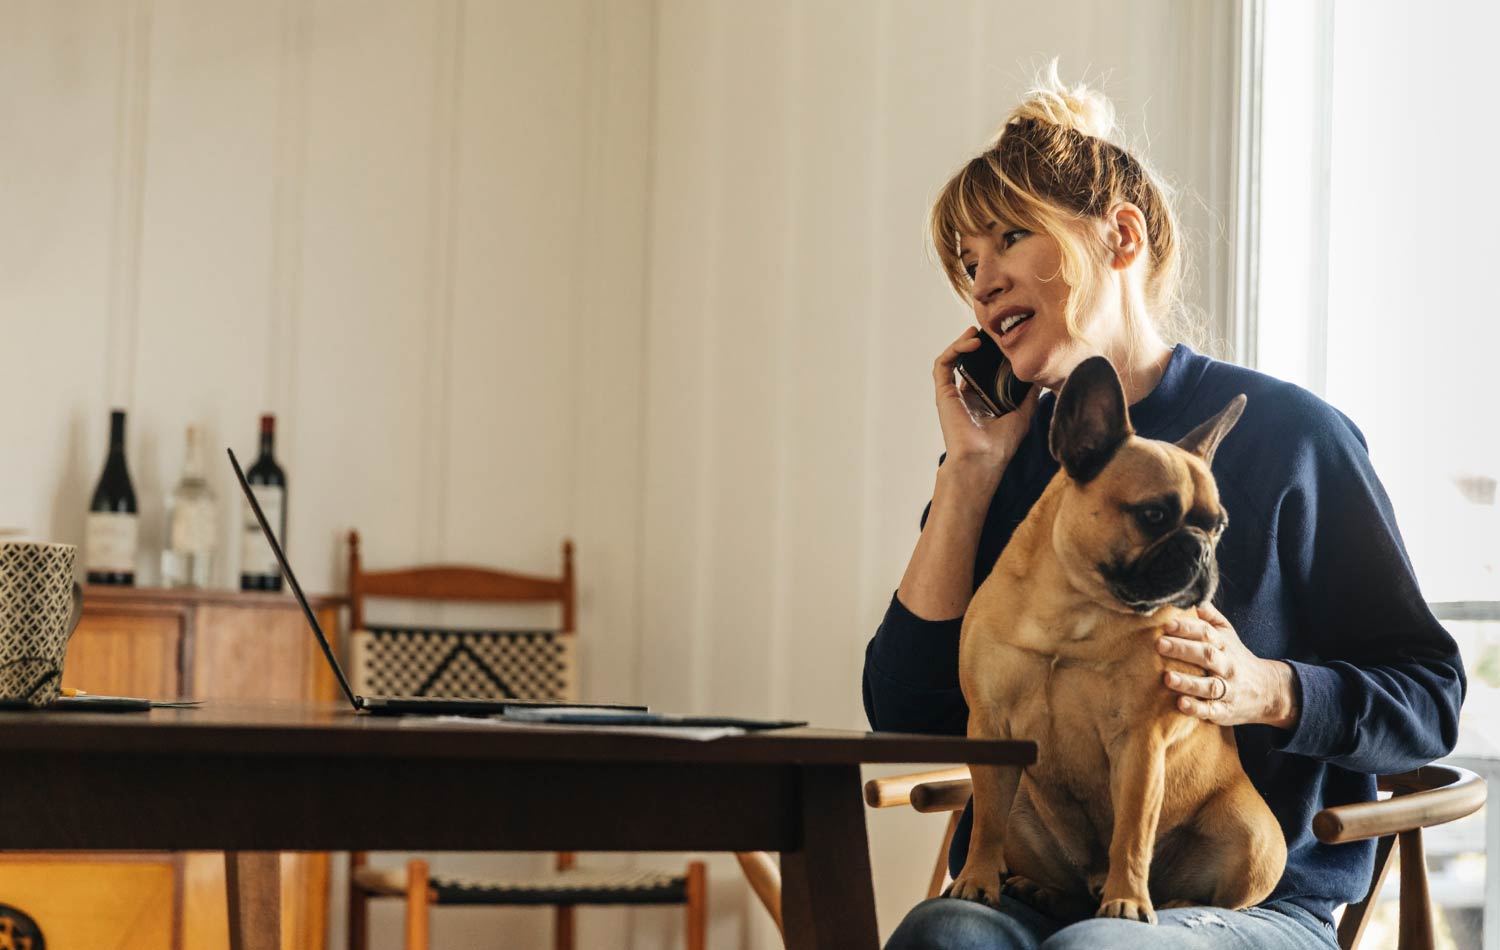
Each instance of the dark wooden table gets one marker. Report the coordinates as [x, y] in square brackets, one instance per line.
[252, 779]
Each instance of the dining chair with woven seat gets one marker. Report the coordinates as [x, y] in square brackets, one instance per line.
[417, 660]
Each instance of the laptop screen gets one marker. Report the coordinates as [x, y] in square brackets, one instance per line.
[291, 579]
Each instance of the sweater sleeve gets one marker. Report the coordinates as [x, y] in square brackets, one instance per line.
[911, 675]
[911, 670]
[1381, 681]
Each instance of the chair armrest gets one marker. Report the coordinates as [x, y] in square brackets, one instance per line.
[898, 789]
[1431, 795]
[948, 795]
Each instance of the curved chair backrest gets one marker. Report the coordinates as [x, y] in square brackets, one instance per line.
[448, 582]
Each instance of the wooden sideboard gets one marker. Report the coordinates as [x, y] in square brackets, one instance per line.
[165, 644]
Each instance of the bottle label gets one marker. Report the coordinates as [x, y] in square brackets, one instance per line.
[193, 528]
[110, 541]
[255, 551]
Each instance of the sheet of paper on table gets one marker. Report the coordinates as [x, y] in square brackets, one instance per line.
[692, 733]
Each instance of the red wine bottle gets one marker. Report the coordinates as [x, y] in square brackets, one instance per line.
[258, 567]
[113, 522]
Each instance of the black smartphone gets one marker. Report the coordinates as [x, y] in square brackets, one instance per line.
[982, 369]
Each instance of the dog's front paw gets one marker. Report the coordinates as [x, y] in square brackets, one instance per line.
[1127, 909]
[978, 884]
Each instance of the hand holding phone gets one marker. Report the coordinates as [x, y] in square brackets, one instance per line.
[982, 370]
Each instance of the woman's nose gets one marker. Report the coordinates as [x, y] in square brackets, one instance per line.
[988, 284]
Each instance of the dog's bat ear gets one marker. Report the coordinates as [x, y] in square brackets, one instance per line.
[1091, 421]
[1203, 440]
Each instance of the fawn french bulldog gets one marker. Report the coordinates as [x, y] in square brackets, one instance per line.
[1131, 803]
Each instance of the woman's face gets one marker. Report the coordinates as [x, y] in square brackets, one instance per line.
[1020, 299]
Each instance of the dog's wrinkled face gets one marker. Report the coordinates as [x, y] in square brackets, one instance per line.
[1139, 519]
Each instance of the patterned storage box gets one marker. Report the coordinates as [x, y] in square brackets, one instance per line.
[479, 664]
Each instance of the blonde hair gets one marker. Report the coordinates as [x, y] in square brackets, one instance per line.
[1050, 167]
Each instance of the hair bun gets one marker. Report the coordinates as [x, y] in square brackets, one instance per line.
[1078, 107]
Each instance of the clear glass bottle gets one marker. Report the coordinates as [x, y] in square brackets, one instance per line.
[187, 558]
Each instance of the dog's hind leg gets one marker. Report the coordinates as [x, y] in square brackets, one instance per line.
[1231, 857]
[1249, 843]
[1047, 872]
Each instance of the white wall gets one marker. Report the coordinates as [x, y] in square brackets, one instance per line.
[645, 272]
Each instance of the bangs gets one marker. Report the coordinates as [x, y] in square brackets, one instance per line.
[977, 196]
[971, 201]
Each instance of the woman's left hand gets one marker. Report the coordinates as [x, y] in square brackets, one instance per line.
[1237, 687]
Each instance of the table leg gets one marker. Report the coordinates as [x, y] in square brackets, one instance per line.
[253, 884]
[827, 895]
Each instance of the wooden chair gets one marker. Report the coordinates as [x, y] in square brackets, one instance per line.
[528, 664]
[1429, 796]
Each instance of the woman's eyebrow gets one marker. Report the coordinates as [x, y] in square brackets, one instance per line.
[988, 228]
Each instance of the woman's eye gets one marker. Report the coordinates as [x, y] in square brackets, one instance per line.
[971, 270]
[1011, 237]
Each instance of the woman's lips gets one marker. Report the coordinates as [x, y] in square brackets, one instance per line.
[1012, 322]
[1009, 337]
[1008, 318]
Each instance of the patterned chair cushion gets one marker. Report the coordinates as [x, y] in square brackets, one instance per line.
[479, 664]
[573, 886]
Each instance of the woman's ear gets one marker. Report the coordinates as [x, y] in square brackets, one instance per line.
[1125, 234]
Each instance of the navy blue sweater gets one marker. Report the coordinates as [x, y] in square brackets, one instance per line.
[1312, 571]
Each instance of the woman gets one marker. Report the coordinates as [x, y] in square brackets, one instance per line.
[1320, 650]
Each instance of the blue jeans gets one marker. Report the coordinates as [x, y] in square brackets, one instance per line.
[952, 924]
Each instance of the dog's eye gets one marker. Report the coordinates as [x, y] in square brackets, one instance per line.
[1153, 515]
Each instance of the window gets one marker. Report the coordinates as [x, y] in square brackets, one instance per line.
[1379, 288]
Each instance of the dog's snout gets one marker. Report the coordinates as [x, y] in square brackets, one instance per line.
[1205, 546]
[1179, 569]
[1192, 545]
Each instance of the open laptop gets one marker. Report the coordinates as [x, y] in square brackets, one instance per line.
[401, 705]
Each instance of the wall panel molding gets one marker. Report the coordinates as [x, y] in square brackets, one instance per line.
[446, 131]
[287, 222]
[711, 399]
[795, 68]
[868, 580]
[133, 102]
[638, 551]
[608, 454]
